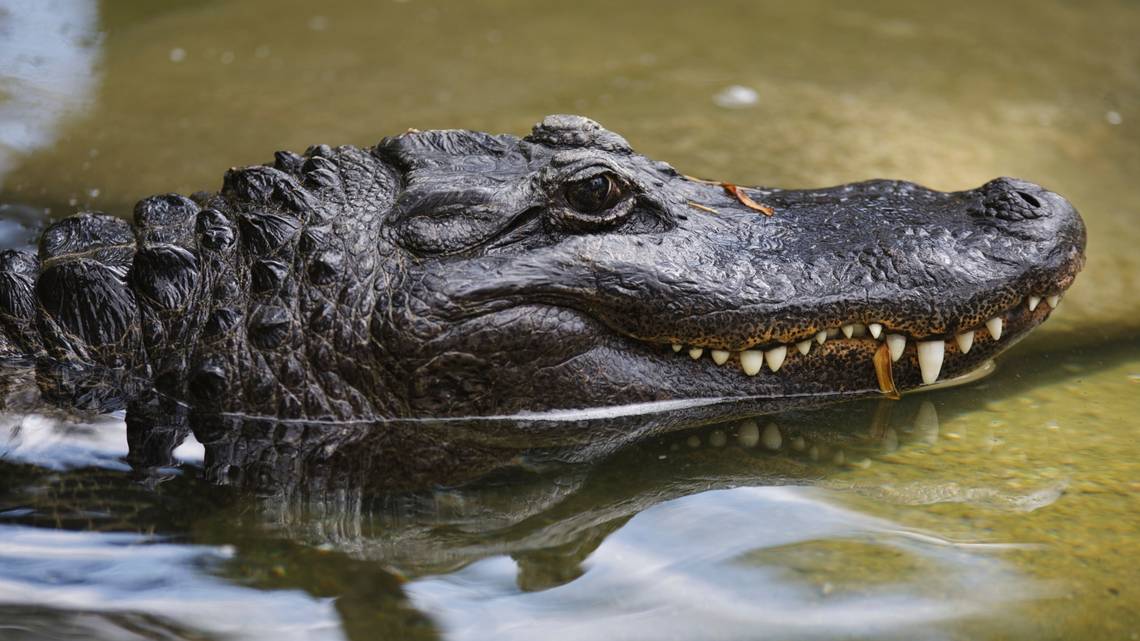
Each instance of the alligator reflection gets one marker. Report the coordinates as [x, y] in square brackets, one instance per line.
[670, 531]
[549, 515]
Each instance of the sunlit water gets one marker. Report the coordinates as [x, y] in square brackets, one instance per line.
[1006, 509]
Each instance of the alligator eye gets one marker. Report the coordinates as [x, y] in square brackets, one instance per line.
[595, 194]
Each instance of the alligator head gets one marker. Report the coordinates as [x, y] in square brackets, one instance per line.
[448, 273]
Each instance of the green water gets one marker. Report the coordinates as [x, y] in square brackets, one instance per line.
[1007, 509]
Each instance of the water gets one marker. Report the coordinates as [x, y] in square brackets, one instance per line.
[1005, 509]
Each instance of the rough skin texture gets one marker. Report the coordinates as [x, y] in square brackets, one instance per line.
[456, 273]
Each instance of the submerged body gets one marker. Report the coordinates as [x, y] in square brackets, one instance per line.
[455, 273]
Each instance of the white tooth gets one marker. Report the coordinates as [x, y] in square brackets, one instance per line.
[804, 346]
[875, 329]
[896, 343]
[821, 337]
[859, 330]
[965, 341]
[848, 330]
[775, 357]
[1034, 301]
[1054, 301]
[719, 356]
[695, 352]
[930, 355]
[751, 361]
[771, 437]
[676, 347]
[994, 325]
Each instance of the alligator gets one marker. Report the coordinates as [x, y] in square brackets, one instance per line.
[454, 273]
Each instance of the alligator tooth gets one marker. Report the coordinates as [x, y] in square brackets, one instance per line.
[804, 346]
[896, 343]
[848, 330]
[930, 355]
[775, 357]
[821, 337]
[676, 347]
[875, 329]
[751, 360]
[1034, 301]
[965, 341]
[719, 356]
[695, 352]
[1054, 301]
[994, 325]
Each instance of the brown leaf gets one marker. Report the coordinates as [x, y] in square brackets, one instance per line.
[745, 200]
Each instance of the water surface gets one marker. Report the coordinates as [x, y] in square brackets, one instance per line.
[1006, 509]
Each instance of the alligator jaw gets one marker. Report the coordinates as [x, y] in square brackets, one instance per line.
[896, 361]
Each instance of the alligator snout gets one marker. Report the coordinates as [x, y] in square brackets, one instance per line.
[1020, 200]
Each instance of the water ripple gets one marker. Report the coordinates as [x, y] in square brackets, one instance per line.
[738, 563]
[115, 573]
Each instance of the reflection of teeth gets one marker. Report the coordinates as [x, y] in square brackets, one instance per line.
[994, 327]
[965, 341]
[875, 329]
[930, 355]
[832, 333]
[695, 352]
[926, 422]
[1033, 302]
[821, 337]
[771, 437]
[719, 356]
[676, 347]
[804, 346]
[748, 433]
[798, 444]
[1054, 301]
[890, 441]
[775, 357]
[751, 361]
[896, 343]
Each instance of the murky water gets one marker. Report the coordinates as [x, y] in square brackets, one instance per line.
[1006, 509]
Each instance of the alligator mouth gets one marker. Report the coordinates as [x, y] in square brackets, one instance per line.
[900, 358]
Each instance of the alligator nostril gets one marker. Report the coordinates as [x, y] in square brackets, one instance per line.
[1028, 198]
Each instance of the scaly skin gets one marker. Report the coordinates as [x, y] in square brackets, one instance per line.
[455, 273]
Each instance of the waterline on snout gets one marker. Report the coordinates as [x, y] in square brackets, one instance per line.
[616, 411]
